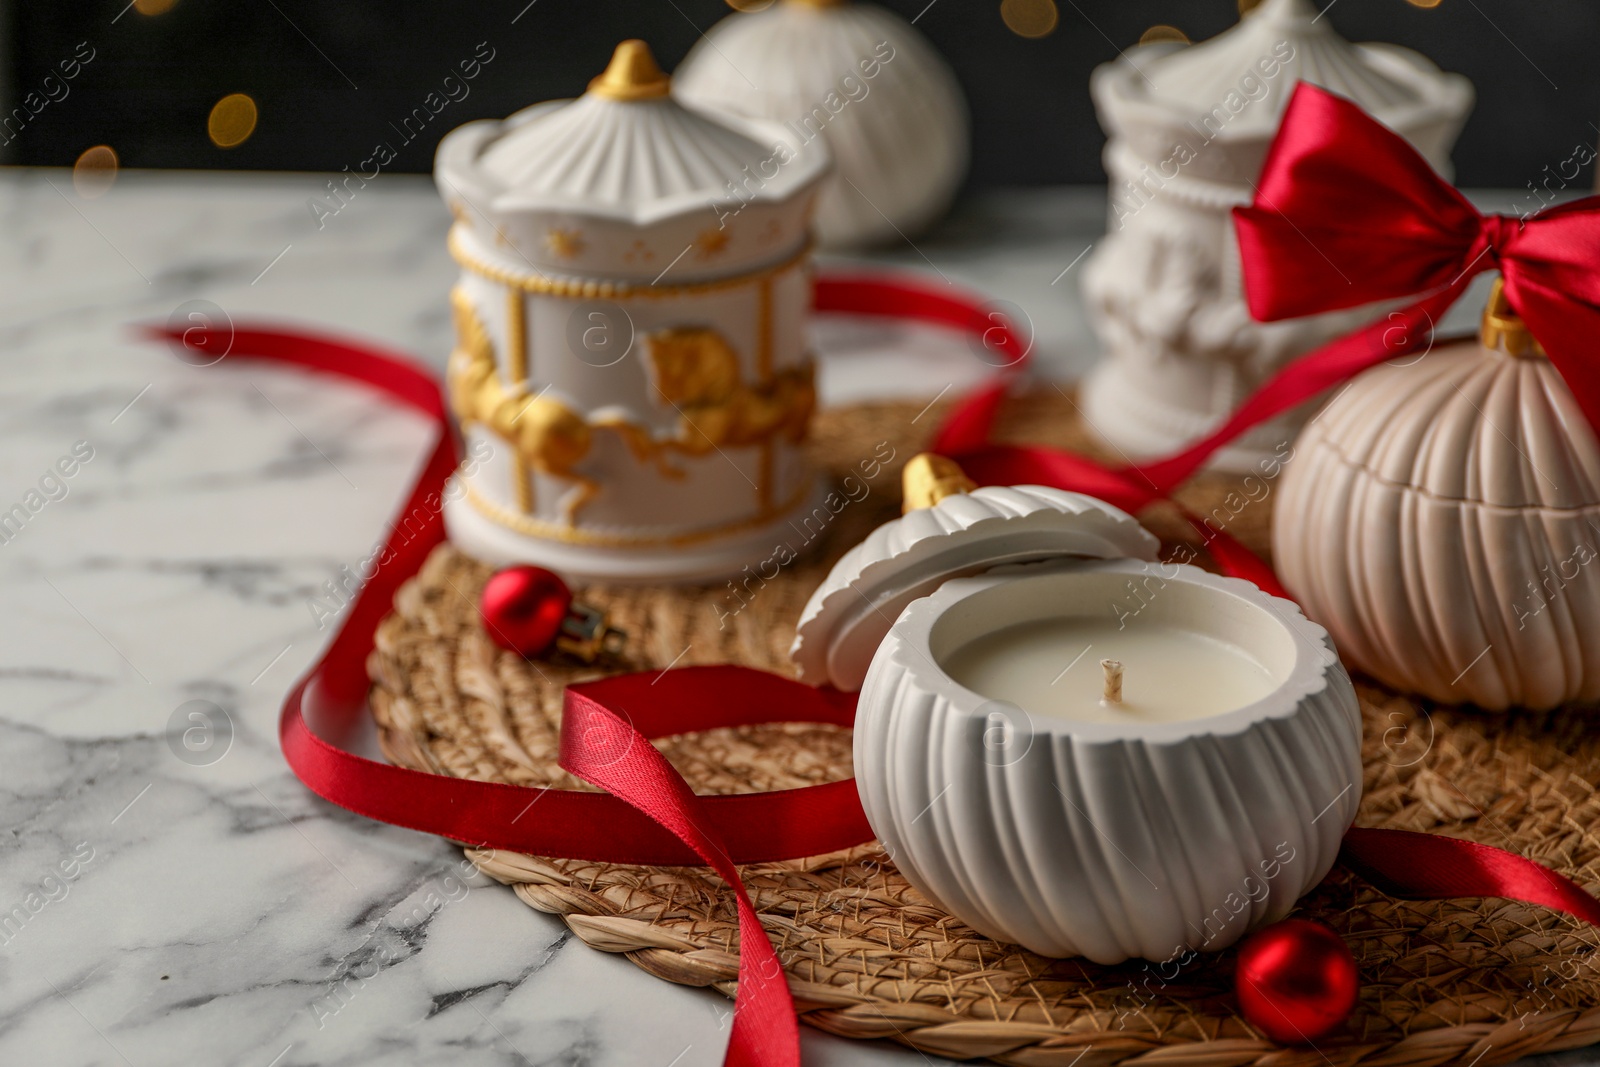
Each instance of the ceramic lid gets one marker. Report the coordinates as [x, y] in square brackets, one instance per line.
[1232, 89]
[1191, 80]
[587, 179]
[1488, 422]
[962, 534]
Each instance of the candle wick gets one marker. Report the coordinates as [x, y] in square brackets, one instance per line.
[1113, 681]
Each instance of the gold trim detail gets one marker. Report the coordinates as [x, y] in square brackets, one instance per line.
[563, 243]
[517, 371]
[711, 242]
[632, 74]
[516, 339]
[1504, 329]
[531, 527]
[591, 289]
[764, 331]
[764, 374]
[928, 478]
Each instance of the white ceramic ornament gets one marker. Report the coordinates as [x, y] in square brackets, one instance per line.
[1441, 516]
[1195, 802]
[1189, 127]
[632, 370]
[859, 77]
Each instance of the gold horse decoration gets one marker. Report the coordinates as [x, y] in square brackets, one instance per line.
[695, 370]
[692, 369]
[548, 436]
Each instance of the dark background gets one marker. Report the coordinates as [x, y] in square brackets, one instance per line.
[329, 77]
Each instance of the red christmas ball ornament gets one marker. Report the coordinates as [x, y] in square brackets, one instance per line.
[524, 607]
[1296, 981]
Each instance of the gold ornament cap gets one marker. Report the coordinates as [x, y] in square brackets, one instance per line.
[632, 74]
[929, 478]
[1504, 330]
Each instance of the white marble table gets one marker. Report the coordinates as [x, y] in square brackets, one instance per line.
[211, 910]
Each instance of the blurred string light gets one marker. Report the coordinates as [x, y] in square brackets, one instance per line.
[154, 7]
[232, 121]
[1163, 32]
[1424, 3]
[95, 171]
[1030, 18]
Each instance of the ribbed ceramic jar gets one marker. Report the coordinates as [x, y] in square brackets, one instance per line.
[632, 366]
[860, 78]
[1073, 831]
[1441, 516]
[1109, 841]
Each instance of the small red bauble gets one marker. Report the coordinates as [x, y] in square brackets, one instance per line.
[1296, 981]
[523, 608]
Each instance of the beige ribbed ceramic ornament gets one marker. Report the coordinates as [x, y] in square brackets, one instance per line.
[1441, 518]
[858, 77]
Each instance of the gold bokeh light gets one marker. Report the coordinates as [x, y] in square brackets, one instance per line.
[95, 171]
[1030, 18]
[1163, 32]
[154, 7]
[232, 121]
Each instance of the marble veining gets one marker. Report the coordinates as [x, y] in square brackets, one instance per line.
[162, 904]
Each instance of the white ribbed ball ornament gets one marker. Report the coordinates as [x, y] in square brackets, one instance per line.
[1441, 517]
[863, 79]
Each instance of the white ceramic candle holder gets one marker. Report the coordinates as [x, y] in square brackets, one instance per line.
[1188, 128]
[632, 354]
[1077, 829]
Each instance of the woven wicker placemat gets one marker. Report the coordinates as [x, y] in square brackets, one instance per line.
[1479, 981]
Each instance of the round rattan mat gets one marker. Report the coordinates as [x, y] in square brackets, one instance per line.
[1479, 981]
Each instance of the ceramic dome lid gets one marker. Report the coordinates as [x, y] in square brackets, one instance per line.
[858, 76]
[1188, 79]
[1486, 422]
[962, 534]
[627, 155]
[1235, 86]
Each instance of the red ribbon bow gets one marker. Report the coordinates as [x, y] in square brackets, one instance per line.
[1347, 213]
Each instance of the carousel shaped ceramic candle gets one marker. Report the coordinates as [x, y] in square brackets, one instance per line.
[1073, 747]
[1189, 127]
[631, 331]
[1441, 516]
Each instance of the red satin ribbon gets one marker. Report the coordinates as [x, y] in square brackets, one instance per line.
[648, 814]
[1347, 213]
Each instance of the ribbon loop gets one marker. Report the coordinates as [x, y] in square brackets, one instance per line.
[1348, 213]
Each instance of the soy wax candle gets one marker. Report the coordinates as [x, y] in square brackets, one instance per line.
[1061, 770]
[1149, 673]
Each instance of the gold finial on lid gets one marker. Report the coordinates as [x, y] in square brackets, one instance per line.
[1504, 329]
[929, 478]
[632, 74]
